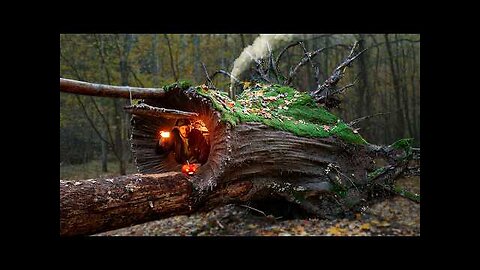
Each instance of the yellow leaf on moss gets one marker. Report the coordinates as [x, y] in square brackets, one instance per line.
[365, 226]
[335, 231]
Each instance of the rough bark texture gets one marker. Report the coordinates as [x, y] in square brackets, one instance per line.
[97, 205]
[146, 110]
[325, 177]
[309, 172]
[102, 90]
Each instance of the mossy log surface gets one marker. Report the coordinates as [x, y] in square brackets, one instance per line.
[280, 140]
[272, 142]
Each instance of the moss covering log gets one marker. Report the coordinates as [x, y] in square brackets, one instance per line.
[276, 138]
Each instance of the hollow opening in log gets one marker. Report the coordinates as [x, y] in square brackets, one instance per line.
[180, 132]
[187, 140]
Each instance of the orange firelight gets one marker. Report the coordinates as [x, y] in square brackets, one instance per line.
[165, 134]
[189, 169]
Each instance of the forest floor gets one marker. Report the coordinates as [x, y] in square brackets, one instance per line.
[396, 216]
[93, 169]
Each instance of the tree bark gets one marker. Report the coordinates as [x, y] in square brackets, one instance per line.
[93, 206]
[396, 86]
[103, 90]
[325, 177]
[104, 156]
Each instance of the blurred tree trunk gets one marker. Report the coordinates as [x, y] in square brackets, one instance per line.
[120, 117]
[180, 54]
[414, 95]
[104, 154]
[156, 65]
[117, 104]
[325, 68]
[224, 53]
[196, 56]
[397, 88]
[363, 101]
[172, 62]
[242, 39]
[405, 90]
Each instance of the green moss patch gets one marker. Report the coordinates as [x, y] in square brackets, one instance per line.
[282, 108]
[180, 84]
[377, 173]
[404, 144]
[407, 194]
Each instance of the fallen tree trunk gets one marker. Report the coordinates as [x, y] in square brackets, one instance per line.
[325, 176]
[97, 205]
[271, 143]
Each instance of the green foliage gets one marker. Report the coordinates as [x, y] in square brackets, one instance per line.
[405, 193]
[99, 57]
[282, 108]
[403, 144]
[180, 84]
[339, 189]
[376, 173]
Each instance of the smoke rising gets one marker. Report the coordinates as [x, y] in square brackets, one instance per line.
[261, 48]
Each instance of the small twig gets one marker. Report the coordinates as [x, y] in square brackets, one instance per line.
[253, 58]
[259, 67]
[346, 177]
[171, 57]
[401, 192]
[225, 73]
[340, 90]
[135, 76]
[210, 83]
[302, 62]
[271, 62]
[148, 110]
[249, 207]
[219, 224]
[356, 121]
[315, 67]
[325, 89]
[282, 52]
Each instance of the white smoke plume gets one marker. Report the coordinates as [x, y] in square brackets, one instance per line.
[261, 48]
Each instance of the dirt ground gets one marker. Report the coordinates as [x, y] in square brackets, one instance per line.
[396, 216]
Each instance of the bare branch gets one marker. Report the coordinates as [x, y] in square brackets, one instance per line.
[327, 89]
[304, 60]
[171, 57]
[210, 83]
[271, 63]
[255, 209]
[135, 76]
[84, 109]
[281, 54]
[225, 73]
[102, 90]
[106, 123]
[358, 120]
[316, 69]
[144, 109]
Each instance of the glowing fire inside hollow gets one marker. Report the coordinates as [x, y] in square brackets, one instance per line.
[189, 169]
[165, 134]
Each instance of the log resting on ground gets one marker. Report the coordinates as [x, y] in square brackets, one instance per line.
[250, 161]
[97, 205]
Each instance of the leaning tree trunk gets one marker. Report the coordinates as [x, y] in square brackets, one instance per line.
[249, 161]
